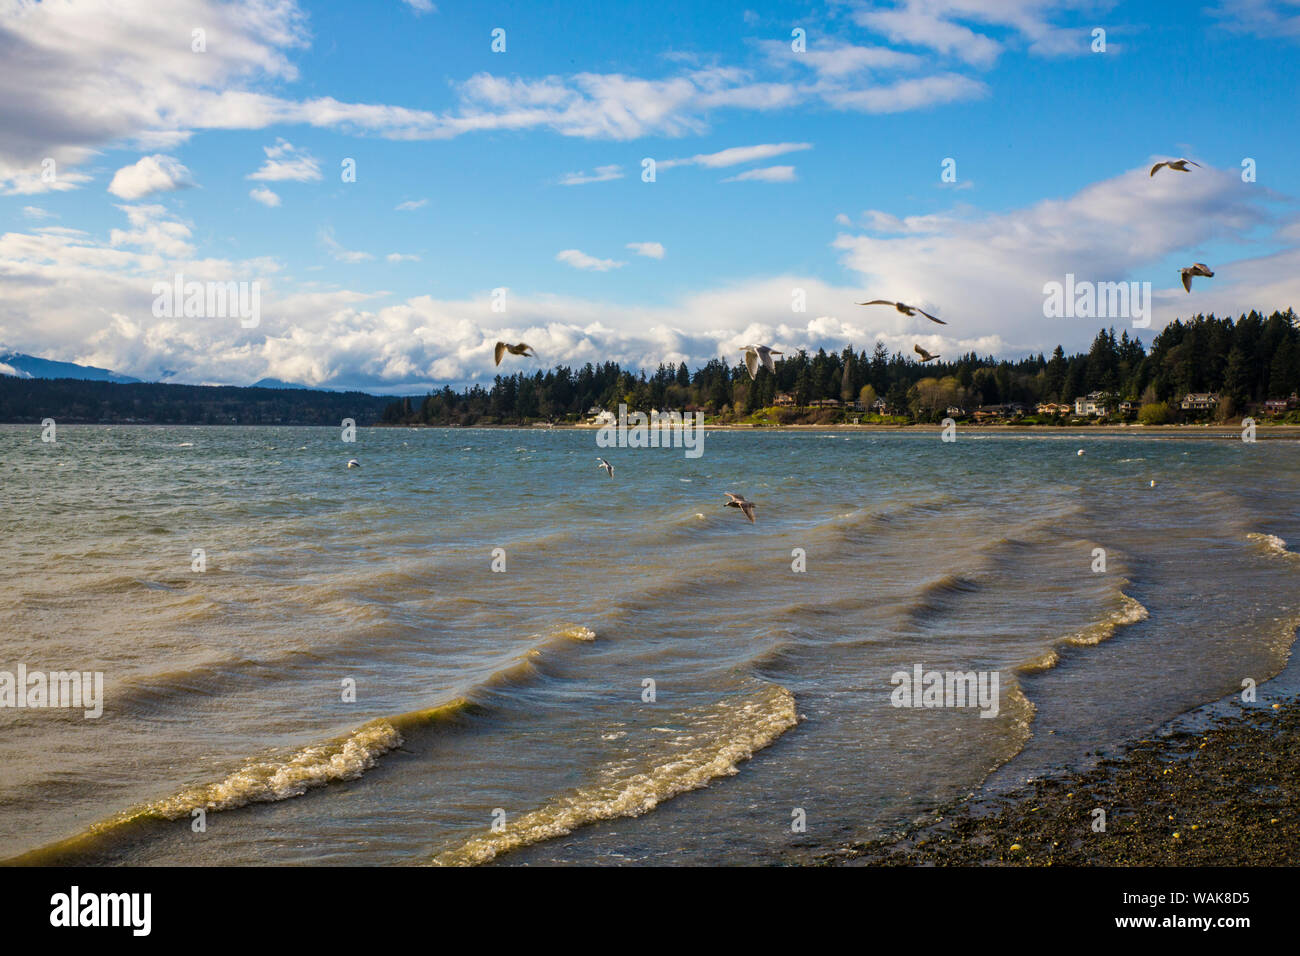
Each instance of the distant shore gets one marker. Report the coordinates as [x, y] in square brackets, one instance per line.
[1263, 431]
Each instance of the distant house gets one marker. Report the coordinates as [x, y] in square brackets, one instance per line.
[853, 406]
[1094, 403]
[880, 407]
[1007, 410]
[1054, 408]
[1125, 407]
[824, 403]
[1199, 401]
[954, 412]
[601, 417]
[783, 398]
[1276, 406]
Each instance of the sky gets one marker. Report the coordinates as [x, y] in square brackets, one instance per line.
[403, 194]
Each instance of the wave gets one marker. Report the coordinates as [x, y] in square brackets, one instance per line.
[347, 757]
[1130, 611]
[1272, 544]
[265, 780]
[746, 727]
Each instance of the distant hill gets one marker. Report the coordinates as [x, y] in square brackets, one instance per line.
[24, 400]
[277, 383]
[29, 366]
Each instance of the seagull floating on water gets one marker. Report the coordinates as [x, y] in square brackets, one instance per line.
[908, 310]
[759, 353]
[353, 463]
[738, 501]
[925, 356]
[1176, 164]
[602, 463]
[1195, 269]
[521, 349]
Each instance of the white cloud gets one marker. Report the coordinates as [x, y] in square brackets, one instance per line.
[153, 229]
[402, 257]
[768, 174]
[580, 260]
[265, 196]
[338, 252]
[421, 7]
[602, 174]
[736, 155]
[284, 161]
[651, 250]
[37, 213]
[150, 174]
[410, 204]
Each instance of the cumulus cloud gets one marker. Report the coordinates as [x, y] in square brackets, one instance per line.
[265, 196]
[990, 269]
[651, 250]
[580, 260]
[150, 174]
[284, 161]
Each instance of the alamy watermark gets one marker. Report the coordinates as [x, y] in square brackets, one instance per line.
[657, 430]
[37, 689]
[209, 300]
[1098, 300]
[922, 688]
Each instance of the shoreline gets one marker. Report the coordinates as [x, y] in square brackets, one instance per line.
[1216, 786]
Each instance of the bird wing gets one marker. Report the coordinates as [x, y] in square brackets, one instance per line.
[931, 317]
[1187, 280]
[1202, 269]
[1157, 166]
[766, 356]
[500, 351]
[734, 497]
[748, 508]
[1197, 165]
[879, 302]
[925, 356]
[751, 362]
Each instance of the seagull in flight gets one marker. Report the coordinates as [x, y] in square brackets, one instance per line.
[602, 463]
[1177, 164]
[925, 356]
[908, 310]
[520, 349]
[759, 353]
[1195, 269]
[738, 501]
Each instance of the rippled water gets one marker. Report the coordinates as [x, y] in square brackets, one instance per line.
[505, 715]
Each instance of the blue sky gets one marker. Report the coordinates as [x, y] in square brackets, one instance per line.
[820, 171]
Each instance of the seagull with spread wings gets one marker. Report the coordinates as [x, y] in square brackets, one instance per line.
[602, 463]
[1179, 165]
[520, 349]
[738, 501]
[908, 310]
[925, 356]
[1195, 269]
[754, 354]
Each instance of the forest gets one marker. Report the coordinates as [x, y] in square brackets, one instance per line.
[68, 400]
[1244, 361]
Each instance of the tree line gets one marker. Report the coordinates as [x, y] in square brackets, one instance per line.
[1244, 361]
